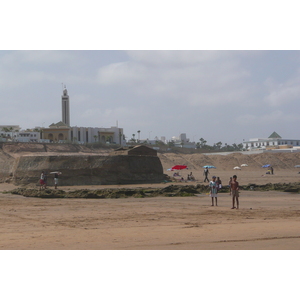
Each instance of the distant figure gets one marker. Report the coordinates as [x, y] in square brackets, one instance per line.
[205, 173]
[42, 180]
[229, 183]
[272, 170]
[219, 183]
[234, 186]
[45, 179]
[213, 191]
[55, 180]
[192, 177]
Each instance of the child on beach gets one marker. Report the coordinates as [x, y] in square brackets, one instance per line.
[213, 191]
[219, 183]
[234, 188]
[229, 183]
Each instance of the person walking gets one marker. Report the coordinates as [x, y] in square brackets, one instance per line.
[234, 186]
[205, 173]
[213, 191]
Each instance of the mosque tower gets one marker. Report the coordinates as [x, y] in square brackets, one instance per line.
[65, 107]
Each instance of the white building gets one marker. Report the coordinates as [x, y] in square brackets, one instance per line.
[112, 135]
[27, 136]
[274, 140]
[7, 132]
[182, 141]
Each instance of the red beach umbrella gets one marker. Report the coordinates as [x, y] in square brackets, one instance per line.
[179, 167]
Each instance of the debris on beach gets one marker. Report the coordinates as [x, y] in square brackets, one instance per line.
[168, 191]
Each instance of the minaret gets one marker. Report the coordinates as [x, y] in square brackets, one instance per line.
[65, 107]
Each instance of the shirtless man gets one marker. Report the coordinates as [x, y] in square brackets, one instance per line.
[234, 187]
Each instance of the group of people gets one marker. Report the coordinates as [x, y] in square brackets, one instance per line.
[190, 177]
[216, 184]
[44, 177]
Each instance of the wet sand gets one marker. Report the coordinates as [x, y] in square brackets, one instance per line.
[265, 220]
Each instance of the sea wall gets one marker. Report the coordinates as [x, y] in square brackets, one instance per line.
[88, 169]
[22, 163]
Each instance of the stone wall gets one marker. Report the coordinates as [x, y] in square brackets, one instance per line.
[89, 169]
[22, 163]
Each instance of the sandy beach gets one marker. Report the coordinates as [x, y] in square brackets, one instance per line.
[265, 220]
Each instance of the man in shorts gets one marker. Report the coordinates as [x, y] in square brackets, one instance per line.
[234, 187]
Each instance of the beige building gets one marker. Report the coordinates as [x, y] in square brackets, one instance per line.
[58, 132]
[63, 132]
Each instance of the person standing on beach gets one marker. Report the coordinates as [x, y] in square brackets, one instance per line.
[234, 187]
[55, 180]
[205, 173]
[213, 191]
[45, 180]
[219, 183]
[272, 170]
[42, 180]
[229, 183]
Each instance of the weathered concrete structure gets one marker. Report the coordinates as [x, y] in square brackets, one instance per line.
[127, 166]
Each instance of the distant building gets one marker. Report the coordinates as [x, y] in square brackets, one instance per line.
[273, 141]
[7, 132]
[112, 135]
[182, 141]
[26, 136]
[58, 132]
[63, 132]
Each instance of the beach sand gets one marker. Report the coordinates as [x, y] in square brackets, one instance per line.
[265, 220]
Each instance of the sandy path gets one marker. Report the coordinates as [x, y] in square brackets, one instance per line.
[266, 220]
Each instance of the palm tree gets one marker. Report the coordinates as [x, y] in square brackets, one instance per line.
[139, 134]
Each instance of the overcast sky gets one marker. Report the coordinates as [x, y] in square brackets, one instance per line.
[220, 95]
[223, 96]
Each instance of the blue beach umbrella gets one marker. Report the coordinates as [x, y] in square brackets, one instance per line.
[209, 167]
[266, 166]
